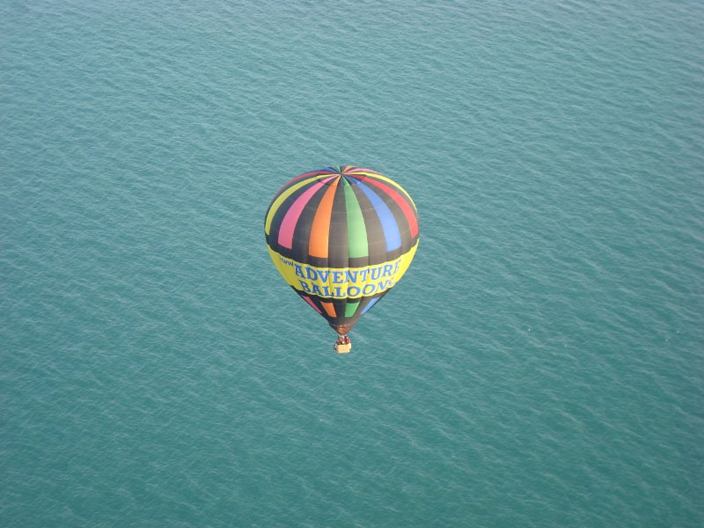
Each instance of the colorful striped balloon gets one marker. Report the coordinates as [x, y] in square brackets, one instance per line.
[342, 237]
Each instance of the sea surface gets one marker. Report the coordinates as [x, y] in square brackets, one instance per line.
[541, 364]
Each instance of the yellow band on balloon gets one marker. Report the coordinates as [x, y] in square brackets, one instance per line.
[342, 283]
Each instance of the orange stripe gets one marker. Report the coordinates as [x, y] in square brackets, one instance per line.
[329, 308]
[320, 230]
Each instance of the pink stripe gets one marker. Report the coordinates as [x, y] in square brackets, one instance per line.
[311, 174]
[288, 225]
[311, 303]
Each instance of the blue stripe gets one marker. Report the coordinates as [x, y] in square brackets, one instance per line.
[388, 222]
[371, 303]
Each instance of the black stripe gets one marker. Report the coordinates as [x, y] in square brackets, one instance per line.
[275, 227]
[407, 241]
[301, 233]
[340, 306]
[338, 252]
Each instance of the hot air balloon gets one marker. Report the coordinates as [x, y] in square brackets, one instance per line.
[342, 237]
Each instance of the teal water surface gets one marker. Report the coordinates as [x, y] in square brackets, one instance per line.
[540, 364]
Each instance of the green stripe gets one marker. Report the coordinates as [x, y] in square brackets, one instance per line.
[351, 308]
[356, 231]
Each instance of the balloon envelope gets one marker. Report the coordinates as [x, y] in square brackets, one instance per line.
[342, 237]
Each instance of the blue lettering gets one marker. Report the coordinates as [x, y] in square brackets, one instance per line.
[388, 283]
[299, 271]
[396, 265]
[304, 286]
